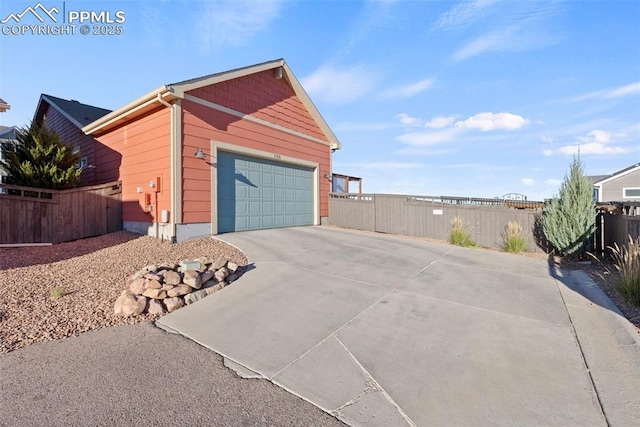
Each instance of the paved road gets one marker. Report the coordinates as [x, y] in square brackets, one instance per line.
[380, 330]
[139, 375]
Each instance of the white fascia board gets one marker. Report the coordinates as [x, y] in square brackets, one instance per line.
[612, 177]
[126, 110]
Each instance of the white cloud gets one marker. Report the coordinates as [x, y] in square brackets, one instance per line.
[523, 26]
[334, 85]
[598, 136]
[493, 121]
[380, 165]
[408, 120]
[226, 22]
[362, 127]
[463, 14]
[591, 148]
[409, 90]
[632, 89]
[547, 153]
[616, 92]
[439, 122]
[595, 142]
[420, 151]
[429, 138]
[527, 181]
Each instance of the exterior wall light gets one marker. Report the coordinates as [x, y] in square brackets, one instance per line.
[199, 153]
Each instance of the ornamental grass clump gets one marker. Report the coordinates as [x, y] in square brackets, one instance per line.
[513, 239]
[627, 261]
[460, 233]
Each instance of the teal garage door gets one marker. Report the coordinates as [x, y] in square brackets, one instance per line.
[256, 193]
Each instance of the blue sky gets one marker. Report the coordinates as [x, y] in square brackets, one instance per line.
[466, 98]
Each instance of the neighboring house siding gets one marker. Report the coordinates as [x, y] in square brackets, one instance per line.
[612, 190]
[202, 124]
[70, 134]
[136, 153]
[264, 97]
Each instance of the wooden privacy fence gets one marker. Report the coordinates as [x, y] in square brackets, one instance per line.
[612, 228]
[424, 216]
[33, 215]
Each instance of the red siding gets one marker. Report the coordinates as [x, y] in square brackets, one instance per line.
[202, 124]
[265, 97]
[137, 153]
[72, 135]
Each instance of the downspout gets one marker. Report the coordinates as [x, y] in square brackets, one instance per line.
[172, 186]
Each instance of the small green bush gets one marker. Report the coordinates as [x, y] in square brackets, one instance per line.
[627, 262]
[460, 233]
[58, 292]
[513, 239]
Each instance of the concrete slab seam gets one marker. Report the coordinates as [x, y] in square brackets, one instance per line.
[488, 310]
[347, 323]
[556, 273]
[490, 270]
[377, 385]
[261, 375]
[224, 355]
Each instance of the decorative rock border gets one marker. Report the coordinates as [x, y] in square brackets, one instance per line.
[158, 289]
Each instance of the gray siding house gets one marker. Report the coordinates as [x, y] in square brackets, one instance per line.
[621, 186]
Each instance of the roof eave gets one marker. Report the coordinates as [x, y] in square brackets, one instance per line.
[181, 88]
[618, 174]
[134, 108]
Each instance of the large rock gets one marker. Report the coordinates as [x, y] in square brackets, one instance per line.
[156, 307]
[167, 288]
[232, 267]
[179, 290]
[221, 274]
[173, 303]
[209, 283]
[172, 277]
[155, 293]
[218, 263]
[153, 276]
[232, 278]
[152, 284]
[207, 275]
[216, 288]
[195, 296]
[137, 286]
[129, 304]
[192, 278]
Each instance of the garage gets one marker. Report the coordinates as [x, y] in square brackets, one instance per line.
[254, 193]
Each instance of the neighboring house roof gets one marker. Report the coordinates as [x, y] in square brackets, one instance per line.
[4, 106]
[173, 91]
[77, 113]
[606, 178]
[597, 178]
[7, 132]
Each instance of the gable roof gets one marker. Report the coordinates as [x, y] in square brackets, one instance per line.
[173, 91]
[76, 112]
[4, 106]
[8, 132]
[606, 178]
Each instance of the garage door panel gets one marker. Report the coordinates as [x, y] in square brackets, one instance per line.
[257, 193]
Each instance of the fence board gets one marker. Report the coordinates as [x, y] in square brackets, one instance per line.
[67, 215]
[429, 217]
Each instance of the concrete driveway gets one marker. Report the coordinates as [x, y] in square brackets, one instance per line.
[390, 331]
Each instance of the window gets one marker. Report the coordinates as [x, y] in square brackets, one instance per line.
[84, 162]
[631, 193]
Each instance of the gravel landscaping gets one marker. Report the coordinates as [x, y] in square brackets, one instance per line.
[90, 274]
